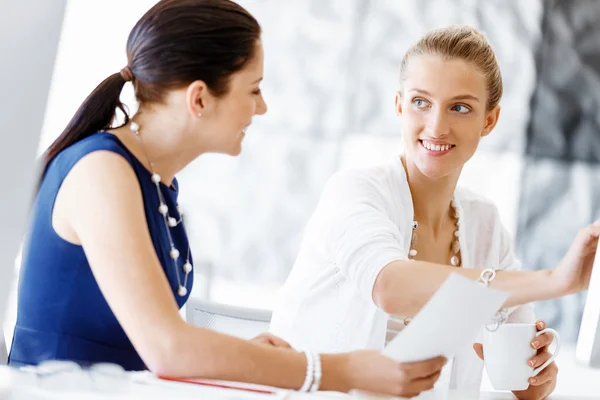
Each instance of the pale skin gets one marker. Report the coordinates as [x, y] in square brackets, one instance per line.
[100, 207]
[444, 102]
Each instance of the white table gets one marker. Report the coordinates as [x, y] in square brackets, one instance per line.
[17, 385]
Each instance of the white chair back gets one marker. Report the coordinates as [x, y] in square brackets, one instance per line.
[242, 322]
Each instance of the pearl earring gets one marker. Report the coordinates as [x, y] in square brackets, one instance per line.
[199, 115]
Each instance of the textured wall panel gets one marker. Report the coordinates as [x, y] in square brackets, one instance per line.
[247, 215]
[566, 123]
[559, 192]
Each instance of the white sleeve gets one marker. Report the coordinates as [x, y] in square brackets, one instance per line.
[359, 233]
[509, 262]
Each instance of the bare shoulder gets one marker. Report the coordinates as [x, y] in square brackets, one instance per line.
[100, 188]
[100, 176]
[105, 165]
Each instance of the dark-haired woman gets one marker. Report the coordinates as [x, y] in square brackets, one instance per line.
[107, 263]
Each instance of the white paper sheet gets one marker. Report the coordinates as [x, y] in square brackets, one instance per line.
[450, 321]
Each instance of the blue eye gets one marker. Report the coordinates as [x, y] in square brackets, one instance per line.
[461, 109]
[420, 103]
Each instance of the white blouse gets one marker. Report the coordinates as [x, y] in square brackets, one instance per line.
[362, 223]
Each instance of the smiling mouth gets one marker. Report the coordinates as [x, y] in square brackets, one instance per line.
[436, 147]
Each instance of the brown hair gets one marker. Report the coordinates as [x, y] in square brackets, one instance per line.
[174, 44]
[461, 42]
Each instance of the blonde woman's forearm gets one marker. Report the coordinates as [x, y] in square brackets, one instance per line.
[404, 287]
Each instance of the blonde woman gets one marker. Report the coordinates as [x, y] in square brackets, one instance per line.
[383, 239]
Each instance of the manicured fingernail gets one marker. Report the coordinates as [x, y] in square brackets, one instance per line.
[531, 363]
[535, 345]
[532, 380]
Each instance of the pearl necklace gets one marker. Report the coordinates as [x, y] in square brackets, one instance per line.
[454, 248]
[169, 221]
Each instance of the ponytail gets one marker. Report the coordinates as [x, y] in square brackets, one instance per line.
[95, 114]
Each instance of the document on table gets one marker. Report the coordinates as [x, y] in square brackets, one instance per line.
[451, 320]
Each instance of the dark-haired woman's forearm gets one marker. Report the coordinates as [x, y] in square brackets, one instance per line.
[200, 353]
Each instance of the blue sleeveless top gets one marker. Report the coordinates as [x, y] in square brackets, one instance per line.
[62, 313]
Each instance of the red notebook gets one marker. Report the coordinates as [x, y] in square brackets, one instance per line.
[223, 384]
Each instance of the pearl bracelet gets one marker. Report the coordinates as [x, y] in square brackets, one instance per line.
[309, 372]
[318, 373]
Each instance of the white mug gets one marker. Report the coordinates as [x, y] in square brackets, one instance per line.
[507, 351]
